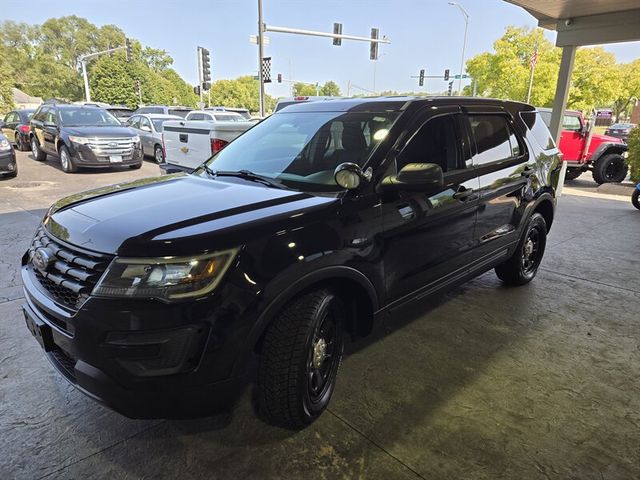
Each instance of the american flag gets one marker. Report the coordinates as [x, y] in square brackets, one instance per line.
[534, 58]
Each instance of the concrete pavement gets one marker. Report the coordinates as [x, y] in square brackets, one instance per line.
[488, 382]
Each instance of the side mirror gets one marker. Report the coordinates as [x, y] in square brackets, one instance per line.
[349, 175]
[425, 177]
[49, 124]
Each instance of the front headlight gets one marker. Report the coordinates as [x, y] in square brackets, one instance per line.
[82, 140]
[5, 145]
[136, 139]
[169, 278]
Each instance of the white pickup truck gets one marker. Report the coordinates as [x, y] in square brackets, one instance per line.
[188, 143]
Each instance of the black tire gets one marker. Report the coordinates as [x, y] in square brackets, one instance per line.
[135, 166]
[572, 173]
[37, 152]
[634, 198]
[20, 146]
[300, 358]
[68, 165]
[158, 154]
[610, 169]
[523, 265]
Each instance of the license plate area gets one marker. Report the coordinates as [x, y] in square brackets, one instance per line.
[40, 330]
[115, 158]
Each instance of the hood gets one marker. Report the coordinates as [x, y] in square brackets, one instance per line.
[97, 131]
[605, 138]
[178, 215]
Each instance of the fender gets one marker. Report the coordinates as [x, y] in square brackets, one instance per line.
[606, 148]
[276, 304]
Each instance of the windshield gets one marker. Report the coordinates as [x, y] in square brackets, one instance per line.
[181, 112]
[87, 116]
[228, 117]
[121, 112]
[621, 126]
[302, 150]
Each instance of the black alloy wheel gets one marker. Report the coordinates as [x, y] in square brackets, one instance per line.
[300, 357]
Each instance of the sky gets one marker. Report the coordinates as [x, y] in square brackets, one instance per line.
[424, 34]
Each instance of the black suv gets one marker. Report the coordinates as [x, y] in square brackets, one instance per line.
[306, 229]
[83, 136]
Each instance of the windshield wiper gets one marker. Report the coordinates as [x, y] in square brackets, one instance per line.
[245, 175]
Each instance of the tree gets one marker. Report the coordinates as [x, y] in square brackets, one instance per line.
[505, 73]
[242, 92]
[304, 89]
[6, 84]
[629, 88]
[330, 89]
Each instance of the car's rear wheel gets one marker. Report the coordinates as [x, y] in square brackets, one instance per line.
[610, 169]
[158, 154]
[300, 358]
[19, 142]
[68, 165]
[572, 173]
[37, 152]
[523, 265]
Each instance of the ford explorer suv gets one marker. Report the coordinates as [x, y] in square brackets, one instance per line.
[160, 298]
[584, 150]
[83, 136]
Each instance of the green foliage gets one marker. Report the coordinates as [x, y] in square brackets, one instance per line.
[634, 154]
[628, 88]
[596, 80]
[243, 92]
[304, 89]
[6, 94]
[44, 60]
[329, 89]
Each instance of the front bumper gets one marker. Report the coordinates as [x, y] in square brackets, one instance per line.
[142, 358]
[85, 156]
[8, 165]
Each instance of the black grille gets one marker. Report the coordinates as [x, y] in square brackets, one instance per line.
[72, 274]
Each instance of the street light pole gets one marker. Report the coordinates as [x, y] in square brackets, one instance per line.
[464, 42]
[87, 94]
[260, 55]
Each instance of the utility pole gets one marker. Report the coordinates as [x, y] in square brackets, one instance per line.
[260, 56]
[464, 42]
[83, 61]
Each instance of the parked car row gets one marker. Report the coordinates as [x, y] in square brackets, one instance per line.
[99, 135]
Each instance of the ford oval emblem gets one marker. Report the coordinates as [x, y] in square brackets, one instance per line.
[42, 259]
[113, 145]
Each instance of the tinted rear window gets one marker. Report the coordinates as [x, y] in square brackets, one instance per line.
[536, 123]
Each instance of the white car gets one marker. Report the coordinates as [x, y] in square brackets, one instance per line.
[149, 128]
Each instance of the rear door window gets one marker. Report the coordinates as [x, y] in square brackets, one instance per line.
[495, 140]
[571, 122]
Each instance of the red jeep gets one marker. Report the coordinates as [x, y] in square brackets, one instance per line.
[584, 150]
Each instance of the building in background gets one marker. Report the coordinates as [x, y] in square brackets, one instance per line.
[23, 100]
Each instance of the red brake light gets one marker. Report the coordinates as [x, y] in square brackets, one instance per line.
[217, 145]
[299, 99]
[24, 128]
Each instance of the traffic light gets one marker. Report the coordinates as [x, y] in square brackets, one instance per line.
[206, 65]
[279, 78]
[421, 78]
[129, 50]
[446, 74]
[373, 48]
[337, 30]
[449, 92]
[206, 86]
[196, 89]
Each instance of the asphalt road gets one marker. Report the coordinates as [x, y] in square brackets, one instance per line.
[541, 381]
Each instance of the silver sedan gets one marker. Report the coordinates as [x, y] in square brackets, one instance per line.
[149, 128]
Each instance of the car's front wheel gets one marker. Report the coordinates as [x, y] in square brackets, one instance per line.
[610, 169]
[635, 198]
[300, 358]
[523, 265]
[37, 152]
[68, 165]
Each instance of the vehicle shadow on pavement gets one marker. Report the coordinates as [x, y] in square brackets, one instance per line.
[54, 162]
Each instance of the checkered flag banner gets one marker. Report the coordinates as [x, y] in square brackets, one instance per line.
[266, 69]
